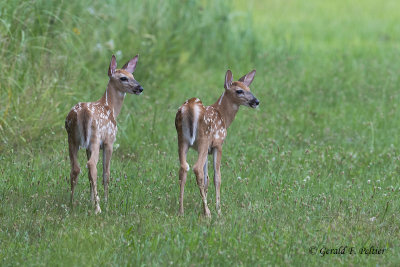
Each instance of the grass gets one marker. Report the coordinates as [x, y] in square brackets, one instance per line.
[317, 165]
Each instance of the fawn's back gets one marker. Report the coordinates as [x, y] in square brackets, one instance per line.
[91, 121]
[195, 121]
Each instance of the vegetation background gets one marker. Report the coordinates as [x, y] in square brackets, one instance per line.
[317, 165]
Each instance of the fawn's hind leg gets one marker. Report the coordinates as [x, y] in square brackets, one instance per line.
[107, 153]
[92, 166]
[88, 154]
[75, 169]
[206, 178]
[198, 169]
[184, 168]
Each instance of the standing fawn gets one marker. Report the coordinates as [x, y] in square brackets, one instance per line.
[92, 126]
[204, 129]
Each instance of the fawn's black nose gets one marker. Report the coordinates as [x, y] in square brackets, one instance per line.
[254, 102]
[140, 88]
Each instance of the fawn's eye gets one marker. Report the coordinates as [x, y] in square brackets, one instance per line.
[239, 92]
[123, 79]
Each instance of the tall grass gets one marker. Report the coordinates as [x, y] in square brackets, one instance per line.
[55, 53]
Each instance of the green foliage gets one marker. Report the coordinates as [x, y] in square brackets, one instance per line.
[56, 53]
[316, 165]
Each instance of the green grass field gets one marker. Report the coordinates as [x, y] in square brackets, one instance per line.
[316, 166]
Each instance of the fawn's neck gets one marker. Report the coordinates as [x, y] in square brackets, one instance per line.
[226, 108]
[113, 98]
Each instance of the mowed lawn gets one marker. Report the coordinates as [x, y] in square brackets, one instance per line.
[312, 172]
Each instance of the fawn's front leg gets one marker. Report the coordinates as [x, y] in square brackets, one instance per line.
[198, 169]
[92, 166]
[107, 153]
[217, 154]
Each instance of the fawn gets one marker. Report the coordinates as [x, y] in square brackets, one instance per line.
[205, 128]
[92, 126]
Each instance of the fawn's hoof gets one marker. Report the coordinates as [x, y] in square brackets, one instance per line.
[181, 213]
[207, 213]
[97, 210]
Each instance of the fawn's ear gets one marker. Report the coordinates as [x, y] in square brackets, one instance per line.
[112, 67]
[248, 78]
[228, 79]
[130, 66]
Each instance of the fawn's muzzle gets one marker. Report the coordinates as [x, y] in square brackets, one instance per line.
[138, 90]
[254, 103]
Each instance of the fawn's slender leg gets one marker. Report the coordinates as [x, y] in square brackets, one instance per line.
[217, 153]
[199, 171]
[107, 153]
[183, 148]
[92, 166]
[88, 154]
[75, 169]
[206, 178]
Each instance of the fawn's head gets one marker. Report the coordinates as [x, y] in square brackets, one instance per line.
[239, 91]
[123, 79]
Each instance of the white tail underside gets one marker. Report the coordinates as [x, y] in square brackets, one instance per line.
[85, 140]
[186, 125]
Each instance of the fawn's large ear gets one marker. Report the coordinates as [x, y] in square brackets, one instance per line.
[113, 66]
[228, 79]
[248, 78]
[130, 66]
